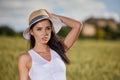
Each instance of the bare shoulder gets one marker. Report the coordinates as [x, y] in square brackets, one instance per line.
[24, 58]
[24, 55]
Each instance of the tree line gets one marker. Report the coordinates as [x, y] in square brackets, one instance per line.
[6, 30]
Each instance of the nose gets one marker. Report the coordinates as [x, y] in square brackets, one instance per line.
[45, 33]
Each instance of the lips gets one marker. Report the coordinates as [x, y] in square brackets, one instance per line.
[45, 38]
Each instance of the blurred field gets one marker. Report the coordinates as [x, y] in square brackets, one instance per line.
[90, 59]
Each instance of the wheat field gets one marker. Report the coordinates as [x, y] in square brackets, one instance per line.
[90, 59]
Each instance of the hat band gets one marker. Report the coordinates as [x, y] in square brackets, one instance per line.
[34, 20]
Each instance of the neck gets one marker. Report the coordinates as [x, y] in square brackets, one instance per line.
[41, 47]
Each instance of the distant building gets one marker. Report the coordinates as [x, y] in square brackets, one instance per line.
[89, 30]
[92, 24]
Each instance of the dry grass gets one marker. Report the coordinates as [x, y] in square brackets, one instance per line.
[90, 59]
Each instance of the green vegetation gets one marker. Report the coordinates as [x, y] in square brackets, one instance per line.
[102, 33]
[90, 59]
[6, 30]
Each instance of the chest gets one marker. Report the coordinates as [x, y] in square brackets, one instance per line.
[42, 69]
[45, 56]
[47, 62]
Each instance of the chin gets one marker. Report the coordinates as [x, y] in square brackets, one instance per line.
[45, 42]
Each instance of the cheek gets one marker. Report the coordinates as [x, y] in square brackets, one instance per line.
[49, 35]
[37, 34]
[49, 32]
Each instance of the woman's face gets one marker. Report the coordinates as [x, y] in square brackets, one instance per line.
[42, 31]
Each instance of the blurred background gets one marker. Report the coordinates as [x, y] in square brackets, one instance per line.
[94, 56]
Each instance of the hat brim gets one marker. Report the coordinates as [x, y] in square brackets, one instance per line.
[57, 24]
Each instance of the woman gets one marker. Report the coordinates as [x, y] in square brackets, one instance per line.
[47, 55]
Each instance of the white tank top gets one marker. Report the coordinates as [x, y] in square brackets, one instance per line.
[42, 69]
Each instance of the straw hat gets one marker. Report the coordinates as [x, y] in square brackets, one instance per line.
[40, 15]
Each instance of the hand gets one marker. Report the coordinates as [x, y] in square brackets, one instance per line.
[50, 15]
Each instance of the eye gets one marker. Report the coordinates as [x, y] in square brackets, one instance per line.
[39, 29]
[48, 27]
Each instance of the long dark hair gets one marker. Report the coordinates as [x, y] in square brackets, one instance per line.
[54, 43]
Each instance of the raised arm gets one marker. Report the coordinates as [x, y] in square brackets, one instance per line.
[75, 31]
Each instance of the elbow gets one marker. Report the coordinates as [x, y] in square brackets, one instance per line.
[79, 26]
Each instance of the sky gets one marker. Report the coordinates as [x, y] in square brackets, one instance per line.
[15, 13]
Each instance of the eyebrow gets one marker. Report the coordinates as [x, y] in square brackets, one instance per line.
[42, 27]
[38, 27]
